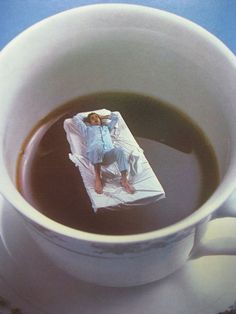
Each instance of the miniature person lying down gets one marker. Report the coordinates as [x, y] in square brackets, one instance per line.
[100, 149]
[109, 160]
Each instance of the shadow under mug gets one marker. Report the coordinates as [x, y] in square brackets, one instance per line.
[120, 47]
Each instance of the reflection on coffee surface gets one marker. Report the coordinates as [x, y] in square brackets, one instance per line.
[177, 150]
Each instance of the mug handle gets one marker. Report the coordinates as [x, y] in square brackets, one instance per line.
[222, 245]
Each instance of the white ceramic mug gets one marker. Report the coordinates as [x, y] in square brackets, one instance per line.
[121, 47]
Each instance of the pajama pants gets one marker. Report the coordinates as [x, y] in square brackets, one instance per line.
[97, 155]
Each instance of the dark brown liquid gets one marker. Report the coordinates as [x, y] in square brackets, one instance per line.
[177, 150]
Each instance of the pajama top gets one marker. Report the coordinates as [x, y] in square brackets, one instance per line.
[96, 135]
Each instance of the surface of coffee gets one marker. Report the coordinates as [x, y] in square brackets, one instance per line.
[177, 150]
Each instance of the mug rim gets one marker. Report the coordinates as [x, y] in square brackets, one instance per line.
[224, 190]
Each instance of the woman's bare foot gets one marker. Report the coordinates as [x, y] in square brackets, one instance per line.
[127, 186]
[98, 185]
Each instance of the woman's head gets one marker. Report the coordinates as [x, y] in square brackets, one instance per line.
[93, 118]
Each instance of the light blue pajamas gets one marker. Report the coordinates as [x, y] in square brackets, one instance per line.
[100, 149]
[116, 154]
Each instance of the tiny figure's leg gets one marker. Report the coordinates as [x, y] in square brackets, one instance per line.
[118, 155]
[98, 179]
[125, 183]
[95, 155]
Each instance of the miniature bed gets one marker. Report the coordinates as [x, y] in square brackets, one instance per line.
[147, 187]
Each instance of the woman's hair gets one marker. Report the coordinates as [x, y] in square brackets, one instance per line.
[87, 119]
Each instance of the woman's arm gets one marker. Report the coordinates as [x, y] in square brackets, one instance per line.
[114, 118]
[78, 120]
[107, 116]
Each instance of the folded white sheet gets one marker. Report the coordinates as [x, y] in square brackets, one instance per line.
[141, 176]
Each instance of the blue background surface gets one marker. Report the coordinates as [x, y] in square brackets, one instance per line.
[217, 16]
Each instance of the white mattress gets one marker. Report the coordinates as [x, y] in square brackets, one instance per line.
[141, 176]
